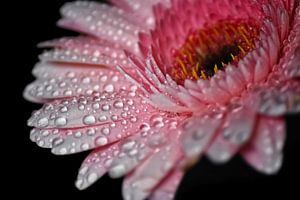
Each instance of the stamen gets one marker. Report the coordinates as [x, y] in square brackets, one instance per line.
[212, 49]
[216, 68]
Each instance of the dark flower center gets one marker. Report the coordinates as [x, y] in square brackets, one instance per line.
[209, 50]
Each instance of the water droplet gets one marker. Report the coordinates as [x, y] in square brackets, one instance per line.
[91, 131]
[107, 163]
[92, 177]
[89, 119]
[41, 143]
[103, 78]
[118, 104]
[57, 141]
[83, 170]
[133, 119]
[102, 118]
[63, 151]
[86, 80]
[43, 122]
[81, 107]
[105, 130]
[130, 102]
[133, 152]
[77, 134]
[79, 183]
[128, 145]
[117, 171]
[45, 133]
[64, 109]
[105, 107]
[85, 146]
[60, 121]
[96, 106]
[101, 141]
[145, 127]
[109, 88]
[114, 117]
[157, 121]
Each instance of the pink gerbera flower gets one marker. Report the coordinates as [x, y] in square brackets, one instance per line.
[151, 86]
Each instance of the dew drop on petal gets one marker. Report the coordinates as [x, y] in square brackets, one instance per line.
[43, 122]
[118, 104]
[57, 141]
[89, 119]
[109, 88]
[105, 107]
[60, 121]
[102, 118]
[105, 130]
[117, 171]
[92, 177]
[145, 127]
[85, 146]
[101, 141]
[63, 151]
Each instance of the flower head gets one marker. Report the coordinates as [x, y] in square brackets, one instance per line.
[151, 86]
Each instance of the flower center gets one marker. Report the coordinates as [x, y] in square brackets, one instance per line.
[209, 50]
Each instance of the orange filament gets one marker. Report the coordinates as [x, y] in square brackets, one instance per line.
[209, 50]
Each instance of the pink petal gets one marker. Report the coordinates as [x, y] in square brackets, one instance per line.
[275, 100]
[142, 9]
[84, 50]
[95, 166]
[148, 174]
[167, 188]
[153, 134]
[198, 132]
[232, 135]
[264, 152]
[92, 110]
[290, 63]
[69, 141]
[102, 21]
[57, 81]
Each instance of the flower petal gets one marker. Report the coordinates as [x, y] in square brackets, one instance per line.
[143, 9]
[154, 134]
[85, 51]
[92, 110]
[264, 151]
[57, 81]
[232, 135]
[275, 100]
[167, 188]
[198, 131]
[103, 21]
[69, 141]
[95, 165]
[139, 184]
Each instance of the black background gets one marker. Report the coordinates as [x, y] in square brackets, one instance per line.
[41, 174]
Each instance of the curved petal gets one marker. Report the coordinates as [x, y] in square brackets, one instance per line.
[154, 134]
[148, 174]
[85, 51]
[103, 21]
[235, 131]
[167, 188]
[264, 152]
[142, 9]
[95, 165]
[56, 81]
[92, 110]
[198, 132]
[275, 100]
